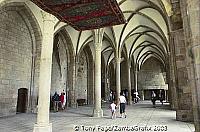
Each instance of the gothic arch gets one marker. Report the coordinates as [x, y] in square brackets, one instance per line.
[27, 24]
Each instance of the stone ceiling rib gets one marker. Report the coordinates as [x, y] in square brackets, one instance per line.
[147, 27]
[142, 8]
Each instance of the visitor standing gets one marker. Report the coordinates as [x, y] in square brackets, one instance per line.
[56, 100]
[122, 101]
[62, 100]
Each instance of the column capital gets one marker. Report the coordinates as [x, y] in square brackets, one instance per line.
[195, 53]
[48, 17]
[98, 35]
[136, 68]
[136, 71]
[118, 59]
[129, 64]
[98, 46]
[48, 25]
[98, 38]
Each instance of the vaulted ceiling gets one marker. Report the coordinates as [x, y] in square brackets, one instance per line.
[144, 35]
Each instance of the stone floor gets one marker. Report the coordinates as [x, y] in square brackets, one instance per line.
[141, 117]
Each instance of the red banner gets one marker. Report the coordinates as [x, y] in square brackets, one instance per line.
[84, 14]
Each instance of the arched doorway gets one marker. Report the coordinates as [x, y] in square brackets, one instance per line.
[22, 100]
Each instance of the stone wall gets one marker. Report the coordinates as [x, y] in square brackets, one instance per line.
[151, 75]
[56, 77]
[81, 85]
[15, 59]
[59, 68]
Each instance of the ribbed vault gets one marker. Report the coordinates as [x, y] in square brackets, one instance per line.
[144, 35]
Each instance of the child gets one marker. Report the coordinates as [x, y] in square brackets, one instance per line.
[113, 109]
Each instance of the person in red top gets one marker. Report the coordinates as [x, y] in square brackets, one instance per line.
[62, 99]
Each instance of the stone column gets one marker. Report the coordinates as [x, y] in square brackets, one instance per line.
[191, 21]
[98, 35]
[142, 95]
[43, 124]
[176, 26]
[72, 91]
[171, 74]
[195, 86]
[183, 91]
[136, 84]
[91, 80]
[166, 96]
[107, 88]
[118, 79]
[129, 84]
[72, 83]
[132, 78]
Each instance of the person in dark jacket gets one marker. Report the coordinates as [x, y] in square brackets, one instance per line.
[56, 100]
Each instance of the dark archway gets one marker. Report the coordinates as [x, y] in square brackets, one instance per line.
[22, 100]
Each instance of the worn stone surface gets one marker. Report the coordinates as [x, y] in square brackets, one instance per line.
[139, 115]
[20, 45]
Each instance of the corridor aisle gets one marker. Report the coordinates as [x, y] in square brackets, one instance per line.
[138, 116]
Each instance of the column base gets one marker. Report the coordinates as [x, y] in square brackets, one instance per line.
[97, 113]
[130, 102]
[197, 129]
[43, 127]
[74, 105]
[184, 115]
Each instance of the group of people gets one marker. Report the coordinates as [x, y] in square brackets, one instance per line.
[59, 101]
[134, 94]
[121, 104]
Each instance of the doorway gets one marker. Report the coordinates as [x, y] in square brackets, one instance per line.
[22, 100]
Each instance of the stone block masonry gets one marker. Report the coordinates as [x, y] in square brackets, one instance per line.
[15, 60]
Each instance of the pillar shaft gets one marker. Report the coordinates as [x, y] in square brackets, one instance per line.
[182, 89]
[191, 21]
[107, 88]
[166, 96]
[72, 91]
[142, 95]
[42, 124]
[98, 78]
[98, 44]
[172, 74]
[118, 79]
[136, 85]
[129, 86]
